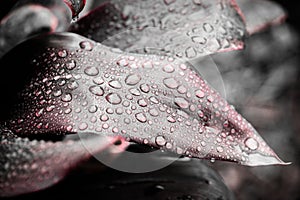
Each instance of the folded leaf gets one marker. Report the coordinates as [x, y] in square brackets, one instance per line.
[28, 166]
[187, 29]
[260, 14]
[82, 86]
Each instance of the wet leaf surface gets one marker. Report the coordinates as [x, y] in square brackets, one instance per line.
[167, 27]
[32, 165]
[81, 86]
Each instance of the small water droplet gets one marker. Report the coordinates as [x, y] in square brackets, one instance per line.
[66, 97]
[57, 93]
[96, 90]
[153, 112]
[199, 93]
[82, 126]
[93, 109]
[104, 117]
[62, 53]
[145, 88]
[160, 140]
[86, 45]
[208, 27]
[113, 98]
[198, 39]
[190, 52]
[71, 64]
[73, 85]
[39, 112]
[251, 143]
[115, 84]
[168, 68]
[122, 62]
[135, 92]
[133, 79]
[219, 149]
[91, 71]
[98, 80]
[142, 102]
[170, 83]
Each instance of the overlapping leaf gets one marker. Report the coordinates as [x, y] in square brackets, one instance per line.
[82, 86]
[187, 29]
[28, 166]
[260, 14]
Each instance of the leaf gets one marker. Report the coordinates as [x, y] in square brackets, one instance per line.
[82, 86]
[260, 14]
[187, 29]
[76, 6]
[28, 166]
[28, 18]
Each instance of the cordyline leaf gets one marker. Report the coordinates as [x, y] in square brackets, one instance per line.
[81, 86]
[187, 29]
[260, 14]
[29, 18]
[28, 166]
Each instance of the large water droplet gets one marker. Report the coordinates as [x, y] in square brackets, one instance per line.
[141, 117]
[96, 90]
[113, 98]
[251, 143]
[91, 71]
[133, 79]
[190, 52]
[170, 83]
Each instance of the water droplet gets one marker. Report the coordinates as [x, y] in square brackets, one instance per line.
[86, 45]
[181, 102]
[190, 52]
[171, 119]
[39, 112]
[96, 90]
[170, 83]
[251, 143]
[168, 2]
[91, 71]
[115, 84]
[135, 92]
[208, 28]
[73, 85]
[153, 112]
[142, 102]
[62, 53]
[154, 100]
[66, 97]
[168, 68]
[113, 98]
[219, 149]
[199, 93]
[98, 80]
[198, 39]
[122, 62]
[210, 98]
[93, 109]
[71, 64]
[133, 79]
[145, 88]
[57, 93]
[141, 117]
[160, 140]
[82, 126]
[104, 118]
